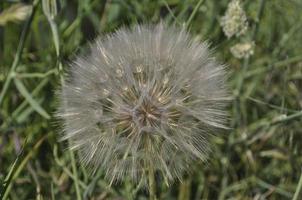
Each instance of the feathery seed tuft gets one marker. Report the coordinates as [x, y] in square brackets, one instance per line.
[144, 97]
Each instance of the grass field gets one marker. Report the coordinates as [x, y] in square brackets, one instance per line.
[259, 157]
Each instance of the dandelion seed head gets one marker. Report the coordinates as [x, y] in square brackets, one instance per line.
[144, 97]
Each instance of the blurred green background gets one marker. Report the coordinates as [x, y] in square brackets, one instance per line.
[258, 158]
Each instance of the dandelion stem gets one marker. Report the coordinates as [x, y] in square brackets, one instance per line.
[152, 186]
[75, 173]
[184, 190]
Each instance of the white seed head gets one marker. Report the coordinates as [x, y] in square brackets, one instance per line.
[243, 50]
[160, 113]
[234, 22]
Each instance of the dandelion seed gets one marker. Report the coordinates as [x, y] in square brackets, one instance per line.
[105, 92]
[119, 73]
[139, 68]
[234, 22]
[159, 115]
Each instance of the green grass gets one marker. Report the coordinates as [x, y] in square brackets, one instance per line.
[258, 158]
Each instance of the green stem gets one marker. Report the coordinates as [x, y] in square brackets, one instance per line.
[247, 59]
[36, 74]
[298, 190]
[274, 66]
[152, 186]
[184, 189]
[246, 62]
[1, 36]
[75, 172]
[23, 37]
[288, 118]
[19, 167]
[194, 12]
[172, 16]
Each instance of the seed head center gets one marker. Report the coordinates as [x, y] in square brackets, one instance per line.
[147, 114]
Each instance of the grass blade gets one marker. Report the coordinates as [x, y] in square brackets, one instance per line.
[9, 177]
[23, 37]
[18, 168]
[30, 100]
[298, 190]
